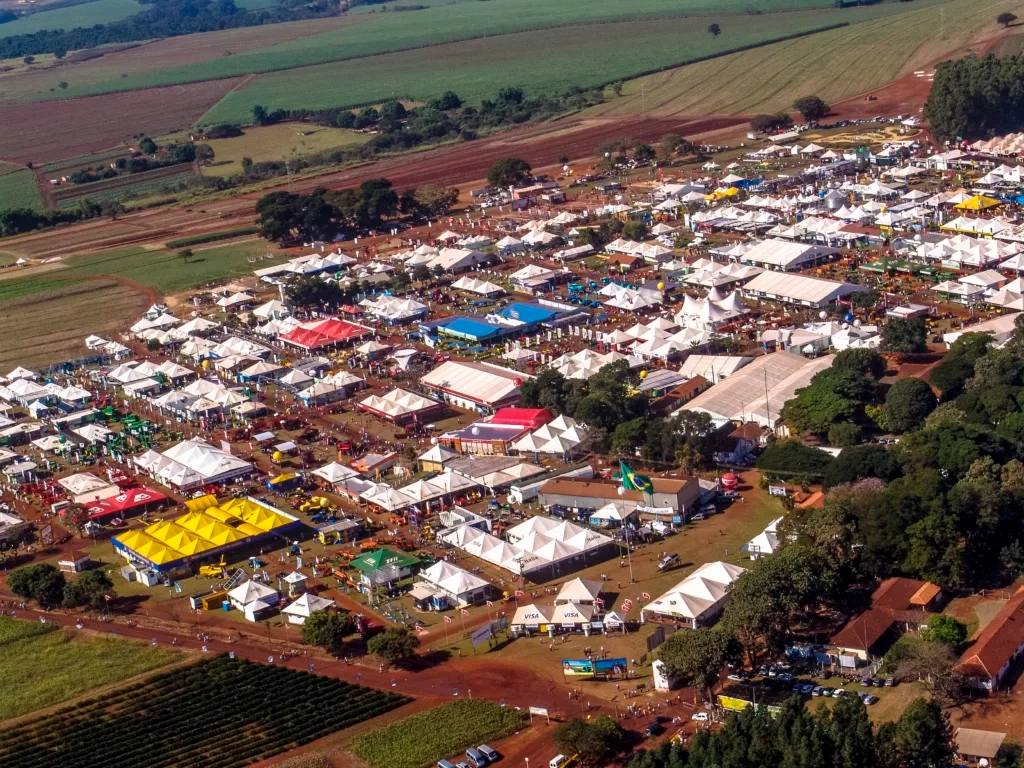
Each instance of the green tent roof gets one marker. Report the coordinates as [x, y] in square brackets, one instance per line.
[382, 557]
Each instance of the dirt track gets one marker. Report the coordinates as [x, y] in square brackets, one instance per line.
[463, 164]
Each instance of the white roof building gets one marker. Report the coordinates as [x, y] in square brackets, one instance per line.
[758, 391]
[767, 542]
[714, 368]
[480, 386]
[305, 606]
[457, 583]
[696, 600]
[799, 289]
[192, 463]
[785, 255]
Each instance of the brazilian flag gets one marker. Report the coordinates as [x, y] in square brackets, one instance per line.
[631, 481]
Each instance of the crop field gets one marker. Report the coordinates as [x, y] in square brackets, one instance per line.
[277, 142]
[84, 15]
[86, 160]
[125, 188]
[41, 665]
[47, 320]
[835, 64]
[441, 732]
[19, 190]
[99, 123]
[43, 82]
[540, 61]
[389, 32]
[220, 712]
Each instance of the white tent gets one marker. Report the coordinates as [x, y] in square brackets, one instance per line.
[306, 605]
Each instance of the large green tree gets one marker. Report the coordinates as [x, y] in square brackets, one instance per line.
[91, 589]
[698, 656]
[509, 172]
[42, 582]
[326, 630]
[395, 645]
[812, 108]
[595, 741]
[907, 404]
[904, 336]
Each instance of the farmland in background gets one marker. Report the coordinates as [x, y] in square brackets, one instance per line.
[97, 124]
[18, 189]
[541, 61]
[159, 55]
[83, 15]
[277, 142]
[388, 32]
[42, 665]
[836, 64]
[217, 712]
[125, 188]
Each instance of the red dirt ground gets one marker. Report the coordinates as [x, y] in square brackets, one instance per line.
[464, 165]
[50, 131]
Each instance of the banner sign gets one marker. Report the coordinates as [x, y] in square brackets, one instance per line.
[482, 635]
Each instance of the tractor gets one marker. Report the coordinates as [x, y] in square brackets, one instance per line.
[214, 571]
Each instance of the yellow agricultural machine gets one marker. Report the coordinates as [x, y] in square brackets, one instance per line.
[214, 571]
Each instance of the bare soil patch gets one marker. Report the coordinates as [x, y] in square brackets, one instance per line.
[65, 129]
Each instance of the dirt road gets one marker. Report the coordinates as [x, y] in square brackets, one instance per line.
[463, 165]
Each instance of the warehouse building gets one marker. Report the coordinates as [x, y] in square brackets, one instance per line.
[478, 386]
[787, 256]
[799, 289]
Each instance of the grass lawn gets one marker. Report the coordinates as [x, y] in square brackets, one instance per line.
[84, 15]
[285, 141]
[19, 190]
[165, 271]
[836, 64]
[42, 669]
[891, 701]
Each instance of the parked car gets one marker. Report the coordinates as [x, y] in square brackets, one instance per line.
[701, 717]
[878, 682]
[806, 688]
[668, 561]
[866, 682]
[816, 691]
[870, 699]
[838, 693]
[890, 682]
[654, 729]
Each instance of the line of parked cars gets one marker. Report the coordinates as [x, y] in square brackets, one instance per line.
[780, 675]
[476, 757]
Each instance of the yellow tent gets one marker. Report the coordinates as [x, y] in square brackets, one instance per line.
[203, 502]
[249, 530]
[978, 203]
[220, 514]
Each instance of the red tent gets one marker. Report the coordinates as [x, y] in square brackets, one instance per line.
[126, 501]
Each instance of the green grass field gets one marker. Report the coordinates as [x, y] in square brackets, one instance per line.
[84, 15]
[277, 142]
[540, 61]
[165, 271]
[41, 667]
[143, 184]
[835, 65]
[388, 32]
[19, 190]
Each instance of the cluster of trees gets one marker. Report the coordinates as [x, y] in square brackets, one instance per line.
[16, 221]
[840, 736]
[619, 416]
[45, 584]
[395, 645]
[159, 157]
[973, 98]
[811, 108]
[595, 741]
[320, 215]
[163, 18]
[771, 123]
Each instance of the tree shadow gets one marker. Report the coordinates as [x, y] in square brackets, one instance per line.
[422, 661]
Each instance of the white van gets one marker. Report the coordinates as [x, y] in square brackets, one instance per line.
[558, 761]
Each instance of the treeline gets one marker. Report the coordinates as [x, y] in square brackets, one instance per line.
[974, 98]
[840, 736]
[17, 221]
[398, 129]
[164, 18]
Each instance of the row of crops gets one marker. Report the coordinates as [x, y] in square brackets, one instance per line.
[118, 190]
[219, 713]
[445, 731]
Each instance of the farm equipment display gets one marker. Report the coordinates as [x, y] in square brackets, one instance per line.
[216, 571]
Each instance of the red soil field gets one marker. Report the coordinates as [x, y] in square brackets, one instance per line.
[56, 130]
[464, 165]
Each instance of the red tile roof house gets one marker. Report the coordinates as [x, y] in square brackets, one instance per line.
[990, 657]
[897, 605]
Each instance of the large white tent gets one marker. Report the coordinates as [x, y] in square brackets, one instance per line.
[698, 598]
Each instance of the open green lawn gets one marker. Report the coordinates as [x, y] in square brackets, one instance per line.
[389, 32]
[19, 190]
[540, 61]
[277, 142]
[165, 271]
[41, 666]
[84, 15]
[835, 65]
